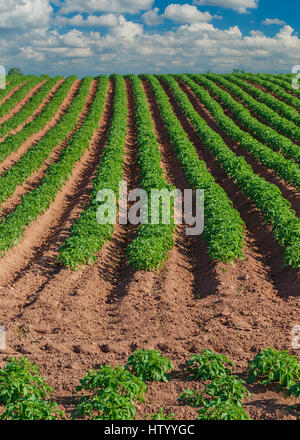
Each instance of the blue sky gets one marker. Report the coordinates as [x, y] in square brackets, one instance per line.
[90, 37]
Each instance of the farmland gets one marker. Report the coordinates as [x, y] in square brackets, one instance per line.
[75, 294]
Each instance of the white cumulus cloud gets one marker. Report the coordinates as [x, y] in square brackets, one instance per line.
[186, 14]
[240, 6]
[152, 17]
[24, 14]
[117, 6]
[269, 21]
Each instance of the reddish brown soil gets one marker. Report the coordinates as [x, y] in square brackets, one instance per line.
[254, 114]
[37, 112]
[34, 180]
[21, 103]
[69, 322]
[264, 89]
[12, 158]
[12, 92]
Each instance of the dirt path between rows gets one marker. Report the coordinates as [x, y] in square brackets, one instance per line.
[13, 157]
[37, 111]
[69, 322]
[35, 179]
[288, 191]
[21, 103]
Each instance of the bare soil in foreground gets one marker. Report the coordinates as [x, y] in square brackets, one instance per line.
[69, 322]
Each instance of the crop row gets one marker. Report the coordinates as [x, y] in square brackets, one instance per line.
[37, 201]
[34, 158]
[87, 235]
[224, 228]
[12, 84]
[284, 126]
[285, 81]
[285, 110]
[29, 108]
[266, 196]
[267, 135]
[150, 246]
[13, 142]
[273, 88]
[21, 93]
[285, 169]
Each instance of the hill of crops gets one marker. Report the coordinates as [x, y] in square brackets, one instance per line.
[75, 294]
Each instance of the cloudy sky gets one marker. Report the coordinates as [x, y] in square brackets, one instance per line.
[133, 36]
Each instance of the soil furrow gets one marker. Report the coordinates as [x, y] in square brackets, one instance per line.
[12, 158]
[34, 180]
[253, 113]
[12, 92]
[21, 104]
[288, 191]
[259, 235]
[36, 113]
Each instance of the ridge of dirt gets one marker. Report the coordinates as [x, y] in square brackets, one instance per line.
[12, 92]
[32, 140]
[34, 180]
[288, 190]
[21, 103]
[37, 111]
[253, 113]
[264, 89]
[69, 322]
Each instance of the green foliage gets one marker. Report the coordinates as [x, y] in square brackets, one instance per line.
[227, 388]
[30, 82]
[87, 236]
[224, 228]
[294, 390]
[24, 394]
[112, 393]
[267, 197]
[13, 141]
[215, 410]
[37, 201]
[29, 108]
[285, 169]
[209, 365]
[149, 365]
[150, 246]
[15, 71]
[160, 415]
[193, 397]
[272, 366]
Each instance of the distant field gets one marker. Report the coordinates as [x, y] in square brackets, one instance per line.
[75, 294]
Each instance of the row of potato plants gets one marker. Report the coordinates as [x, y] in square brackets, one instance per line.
[87, 236]
[12, 83]
[149, 248]
[224, 229]
[14, 141]
[32, 105]
[273, 88]
[38, 200]
[21, 93]
[34, 158]
[285, 127]
[284, 110]
[284, 80]
[285, 169]
[260, 131]
[265, 196]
